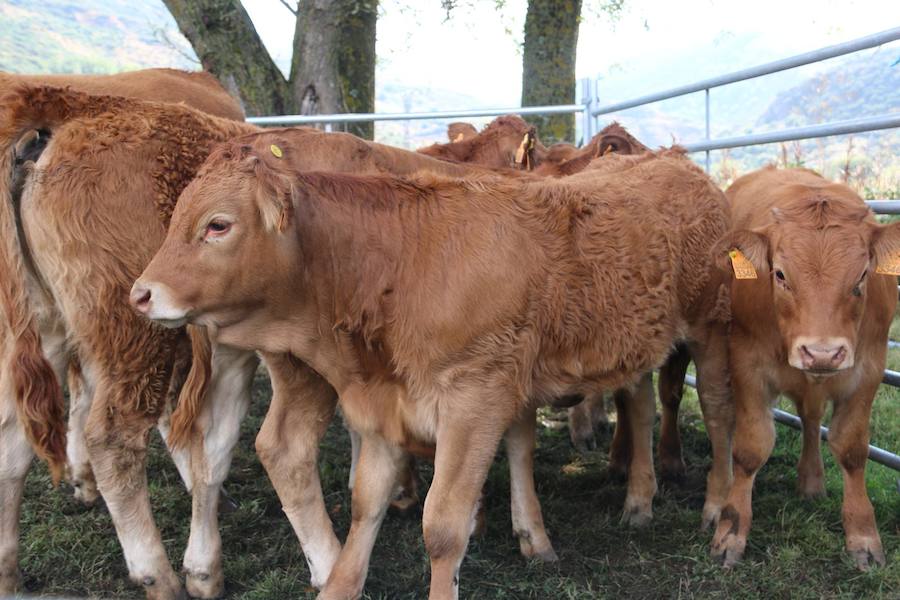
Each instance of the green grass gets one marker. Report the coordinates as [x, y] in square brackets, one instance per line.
[795, 549]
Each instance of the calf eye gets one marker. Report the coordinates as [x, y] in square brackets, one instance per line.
[857, 289]
[779, 275]
[217, 228]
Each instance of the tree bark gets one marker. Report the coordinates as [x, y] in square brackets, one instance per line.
[356, 62]
[228, 46]
[548, 66]
[333, 68]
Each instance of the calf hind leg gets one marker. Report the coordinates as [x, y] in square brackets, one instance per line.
[638, 509]
[15, 460]
[117, 444]
[527, 521]
[583, 421]
[671, 388]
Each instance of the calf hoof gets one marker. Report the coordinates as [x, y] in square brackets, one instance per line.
[584, 444]
[617, 471]
[535, 546]
[637, 513]
[85, 492]
[711, 515]
[727, 545]
[811, 488]
[404, 505]
[866, 552]
[672, 469]
[167, 587]
[205, 585]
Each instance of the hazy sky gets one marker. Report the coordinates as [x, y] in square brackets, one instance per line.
[478, 50]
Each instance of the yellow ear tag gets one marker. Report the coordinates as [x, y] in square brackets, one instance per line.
[520, 153]
[276, 151]
[889, 266]
[743, 268]
[459, 137]
[608, 150]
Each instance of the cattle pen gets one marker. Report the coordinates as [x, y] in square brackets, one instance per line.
[591, 110]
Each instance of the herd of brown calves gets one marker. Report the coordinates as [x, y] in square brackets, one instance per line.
[438, 298]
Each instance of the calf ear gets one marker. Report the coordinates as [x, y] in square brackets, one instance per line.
[884, 247]
[275, 198]
[752, 243]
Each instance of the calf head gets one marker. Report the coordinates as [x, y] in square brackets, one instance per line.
[225, 241]
[815, 259]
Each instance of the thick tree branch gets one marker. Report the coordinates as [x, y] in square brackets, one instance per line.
[228, 46]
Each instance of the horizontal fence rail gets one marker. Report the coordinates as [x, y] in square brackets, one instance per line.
[876, 454]
[799, 133]
[863, 43]
[447, 114]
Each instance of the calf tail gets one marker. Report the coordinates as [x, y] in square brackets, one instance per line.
[193, 393]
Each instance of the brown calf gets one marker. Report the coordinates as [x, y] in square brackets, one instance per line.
[197, 89]
[122, 162]
[194, 88]
[437, 327]
[506, 142]
[812, 323]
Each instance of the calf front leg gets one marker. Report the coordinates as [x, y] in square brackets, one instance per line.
[848, 439]
[288, 446]
[754, 438]
[467, 442]
[15, 460]
[717, 405]
[211, 448]
[527, 522]
[810, 468]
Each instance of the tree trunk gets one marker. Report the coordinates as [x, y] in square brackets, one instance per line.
[228, 46]
[548, 66]
[333, 68]
[356, 62]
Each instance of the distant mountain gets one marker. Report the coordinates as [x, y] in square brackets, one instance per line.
[100, 36]
[860, 86]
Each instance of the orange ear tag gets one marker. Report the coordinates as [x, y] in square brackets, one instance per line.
[889, 266]
[743, 268]
[276, 151]
[520, 153]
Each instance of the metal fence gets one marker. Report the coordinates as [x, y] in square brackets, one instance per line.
[591, 110]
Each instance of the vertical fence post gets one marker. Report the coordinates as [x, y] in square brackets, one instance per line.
[587, 119]
[596, 90]
[707, 129]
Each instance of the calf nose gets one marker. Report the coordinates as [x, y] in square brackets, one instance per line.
[140, 298]
[822, 356]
